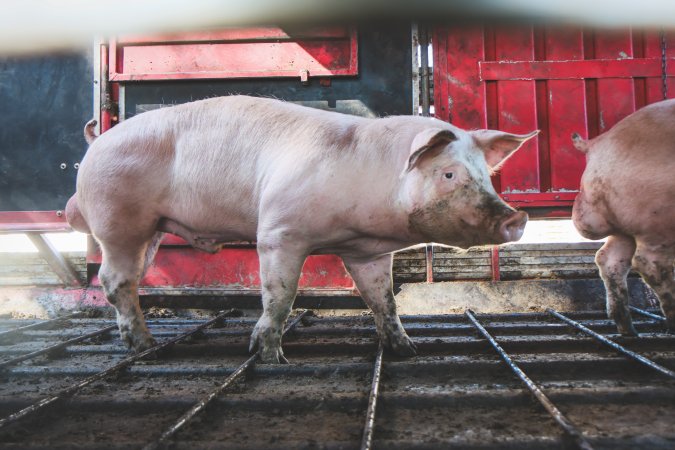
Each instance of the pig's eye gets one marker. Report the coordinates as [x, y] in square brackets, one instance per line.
[449, 175]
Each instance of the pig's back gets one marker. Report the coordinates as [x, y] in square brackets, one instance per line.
[226, 147]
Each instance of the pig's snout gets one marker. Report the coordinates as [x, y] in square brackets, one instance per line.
[512, 228]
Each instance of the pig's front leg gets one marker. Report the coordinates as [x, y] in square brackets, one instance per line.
[373, 279]
[279, 272]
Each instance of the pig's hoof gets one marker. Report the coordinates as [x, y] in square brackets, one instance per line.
[402, 345]
[628, 331]
[272, 356]
[138, 343]
[269, 351]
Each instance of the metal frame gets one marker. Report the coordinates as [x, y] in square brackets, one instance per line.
[205, 401]
[567, 426]
[619, 348]
[202, 54]
[127, 362]
[559, 79]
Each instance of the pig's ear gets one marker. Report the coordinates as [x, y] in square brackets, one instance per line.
[499, 145]
[579, 143]
[427, 140]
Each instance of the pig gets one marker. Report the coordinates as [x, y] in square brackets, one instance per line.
[627, 194]
[295, 180]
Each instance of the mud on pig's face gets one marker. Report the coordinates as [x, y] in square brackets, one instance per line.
[447, 189]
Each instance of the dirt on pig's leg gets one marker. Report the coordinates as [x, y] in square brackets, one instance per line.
[373, 279]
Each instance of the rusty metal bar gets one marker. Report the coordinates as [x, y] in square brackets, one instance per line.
[55, 347]
[204, 402]
[494, 263]
[568, 427]
[368, 429]
[32, 326]
[56, 261]
[648, 314]
[619, 348]
[70, 391]
[429, 254]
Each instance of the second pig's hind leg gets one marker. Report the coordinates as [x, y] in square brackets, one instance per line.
[614, 262]
[373, 279]
[655, 264]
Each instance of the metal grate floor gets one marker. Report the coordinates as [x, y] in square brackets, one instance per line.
[457, 393]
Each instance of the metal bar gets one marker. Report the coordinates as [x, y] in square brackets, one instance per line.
[494, 262]
[430, 262]
[648, 314]
[38, 324]
[424, 69]
[55, 347]
[204, 402]
[368, 429]
[69, 391]
[568, 427]
[619, 348]
[56, 261]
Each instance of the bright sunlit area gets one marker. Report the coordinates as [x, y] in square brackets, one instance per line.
[536, 232]
[63, 242]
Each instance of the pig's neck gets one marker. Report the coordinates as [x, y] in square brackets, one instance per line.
[385, 197]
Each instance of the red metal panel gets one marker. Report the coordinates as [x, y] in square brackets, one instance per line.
[25, 221]
[243, 53]
[459, 94]
[559, 80]
[571, 70]
[235, 268]
[616, 97]
[563, 96]
[517, 111]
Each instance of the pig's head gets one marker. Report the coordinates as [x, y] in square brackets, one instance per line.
[447, 189]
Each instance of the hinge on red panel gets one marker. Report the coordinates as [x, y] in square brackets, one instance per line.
[304, 76]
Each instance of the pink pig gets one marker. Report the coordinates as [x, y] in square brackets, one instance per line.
[628, 193]
[296, 180]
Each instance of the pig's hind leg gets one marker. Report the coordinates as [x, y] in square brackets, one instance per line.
[280, 267]
[124, 262]
[614, 263]
[373, 279]
[655, 264]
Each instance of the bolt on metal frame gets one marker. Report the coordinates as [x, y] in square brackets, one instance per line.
[619, 348]
[204, 402]
[568, 427]
[127, 362]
